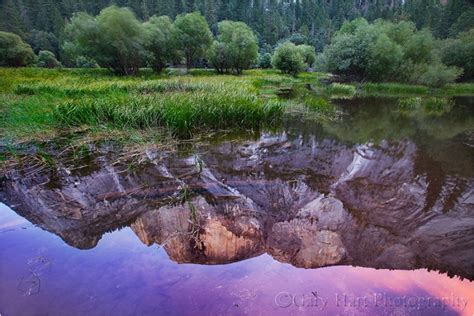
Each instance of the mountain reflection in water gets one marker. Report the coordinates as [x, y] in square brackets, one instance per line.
[302, 196]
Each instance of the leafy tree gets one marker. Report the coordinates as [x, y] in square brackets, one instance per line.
[384, 51]
[464, 23]
[192, 36]
[219, 57]
[288, 59]
[14, 52]
[236, 47]
[46, 59]
[265, 61]
[435, 74]
[419, 48]
[401, 32]
[84, 62]
[297, 39]
[309, 54]
[460, 52]
[350, 50]
[10, 19]
[40, 40]
[159, 42]
[114, 39]
[385, 60]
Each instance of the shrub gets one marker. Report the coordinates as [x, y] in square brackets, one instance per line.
[460, 52]
[237, 45]
[288, 59]
[265, 61]
[386, 57]
[435, 75]
[84, 62]
[309, 54]
[384, 51]
[40, 40]
[46, 59]
[14, 52]
[438, 106]
[338, 89]
[409, 104]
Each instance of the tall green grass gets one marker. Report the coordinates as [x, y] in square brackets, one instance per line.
[46, 102]
[181, 113]
[393, 89]
[38, 101]
[341, 90]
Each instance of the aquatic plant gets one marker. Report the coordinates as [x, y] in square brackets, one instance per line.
[339, 89]
[409, 104]
[438, 106]
[393, 89]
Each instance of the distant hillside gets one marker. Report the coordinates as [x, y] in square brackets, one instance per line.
[41, 22]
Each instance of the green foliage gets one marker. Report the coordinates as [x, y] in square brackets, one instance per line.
[393, 89]
[236, 47]
[41, 102]
[179, 112]
[435, 74]
[438, 106]
[84, 62]
[114, 39]
[385, 51]
[288, 59]
[219, 57]
[160, 42]
[339, 89]
[14, 52]
[309, 54]
[265, 61]
[319, 105]
[46, 59]
[419, 47]
[464, 23]
[350, 50]
[297, 39]
[301, 22]
[409, 104]
[459, 52]
[40, 40]
[192, 36]
[386, 58]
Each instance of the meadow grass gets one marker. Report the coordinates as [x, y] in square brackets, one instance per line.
[393, 89]
[459, 89]
[335, 90]
[402, 90]
[40, 102]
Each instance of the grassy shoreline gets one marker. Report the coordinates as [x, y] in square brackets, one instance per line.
[40, 104]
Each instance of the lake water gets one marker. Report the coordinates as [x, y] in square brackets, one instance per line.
[370, 214]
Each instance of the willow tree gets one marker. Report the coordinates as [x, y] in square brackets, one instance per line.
[159, 43]
[114, 39]
[236, 47]
[193, 36]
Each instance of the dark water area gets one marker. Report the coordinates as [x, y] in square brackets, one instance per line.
[372, 213]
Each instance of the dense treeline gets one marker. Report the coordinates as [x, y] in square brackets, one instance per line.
[41, 22]
[392, 52]
[379, 51]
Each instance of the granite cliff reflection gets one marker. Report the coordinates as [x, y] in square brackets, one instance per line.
[307, 202]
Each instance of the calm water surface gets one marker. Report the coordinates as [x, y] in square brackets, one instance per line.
[372, 214]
